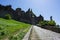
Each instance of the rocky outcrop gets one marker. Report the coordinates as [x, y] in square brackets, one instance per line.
[20, 15]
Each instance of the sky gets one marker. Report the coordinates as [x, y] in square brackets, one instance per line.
[46, 8]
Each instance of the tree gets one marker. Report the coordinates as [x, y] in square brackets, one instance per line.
[51, 18]
[58, 26]
[51, 22]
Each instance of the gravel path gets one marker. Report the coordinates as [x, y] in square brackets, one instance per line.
[46, 34]
[33, 35]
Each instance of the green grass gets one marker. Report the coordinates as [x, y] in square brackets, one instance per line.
[19, 36]
[9, 27]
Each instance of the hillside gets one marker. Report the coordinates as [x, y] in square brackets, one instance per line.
[9, 28]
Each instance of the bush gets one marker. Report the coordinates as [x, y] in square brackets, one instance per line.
[51, 23]
[43, 23]
[47, 23]
[7, 16]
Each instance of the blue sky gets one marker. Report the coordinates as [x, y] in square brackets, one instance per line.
[46, 8]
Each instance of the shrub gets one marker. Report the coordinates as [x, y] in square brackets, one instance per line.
[47, 23]
[51, 23]
[43, 23]
[7, 16]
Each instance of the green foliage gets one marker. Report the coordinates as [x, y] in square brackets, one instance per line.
[51, 23]
[12, 38]
[43, 23]
[2, 33]
[8, 16]
[47, 23]
[0, 28]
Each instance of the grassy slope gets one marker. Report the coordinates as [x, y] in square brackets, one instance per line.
[8, 27]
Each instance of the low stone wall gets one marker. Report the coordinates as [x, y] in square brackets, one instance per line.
[53, 28]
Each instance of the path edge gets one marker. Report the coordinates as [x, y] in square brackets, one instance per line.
[27, 36]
